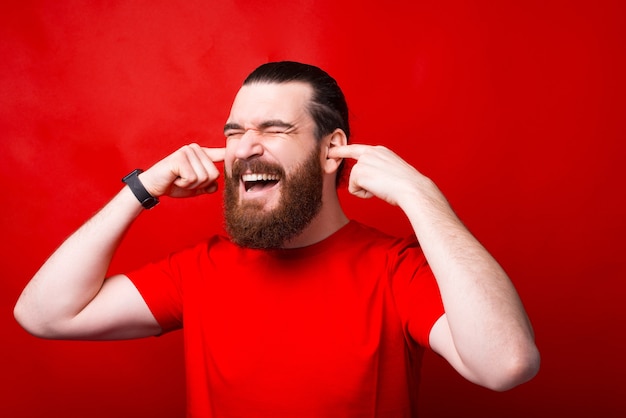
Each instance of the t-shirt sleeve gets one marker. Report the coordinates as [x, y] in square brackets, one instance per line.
[415, 291]
[159, 284]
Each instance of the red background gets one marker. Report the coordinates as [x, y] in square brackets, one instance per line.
[516, 110]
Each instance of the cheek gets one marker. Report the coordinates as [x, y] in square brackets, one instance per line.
[293, 156]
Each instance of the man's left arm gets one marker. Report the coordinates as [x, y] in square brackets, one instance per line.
[485, 333]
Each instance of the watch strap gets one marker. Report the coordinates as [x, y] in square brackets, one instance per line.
[145, 198]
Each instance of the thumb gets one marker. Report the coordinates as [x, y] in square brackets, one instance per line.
[211, 188]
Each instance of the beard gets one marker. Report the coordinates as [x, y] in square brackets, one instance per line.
[249, 225]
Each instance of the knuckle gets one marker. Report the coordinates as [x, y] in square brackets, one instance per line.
[214, 172]
[202, 178]
[189, 179]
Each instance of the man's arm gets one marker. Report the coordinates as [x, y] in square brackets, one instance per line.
[70, 298]
[485, 333]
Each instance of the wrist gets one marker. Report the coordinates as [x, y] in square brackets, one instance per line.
[424, 200]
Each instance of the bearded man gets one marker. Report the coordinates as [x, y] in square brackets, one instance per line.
[299, 311]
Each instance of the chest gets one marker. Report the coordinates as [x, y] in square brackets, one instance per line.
[312, 335]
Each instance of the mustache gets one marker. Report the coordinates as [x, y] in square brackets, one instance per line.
[240, 167]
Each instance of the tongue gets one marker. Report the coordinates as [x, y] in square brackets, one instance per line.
[260, 185]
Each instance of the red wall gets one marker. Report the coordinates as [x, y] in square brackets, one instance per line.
[516, 111]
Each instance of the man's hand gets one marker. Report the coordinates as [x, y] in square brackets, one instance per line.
[379, 172]
[189, 171]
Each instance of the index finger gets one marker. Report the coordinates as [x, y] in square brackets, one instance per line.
[347, 151]
[215, 154]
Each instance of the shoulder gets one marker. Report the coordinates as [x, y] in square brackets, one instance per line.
[212, 244]
[373, 237]
[215, 246]
[369, 245]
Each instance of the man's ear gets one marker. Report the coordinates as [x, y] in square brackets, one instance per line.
[337, 138]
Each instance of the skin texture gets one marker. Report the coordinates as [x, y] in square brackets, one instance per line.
[484, 334]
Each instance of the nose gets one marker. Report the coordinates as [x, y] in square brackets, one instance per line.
[249, 145]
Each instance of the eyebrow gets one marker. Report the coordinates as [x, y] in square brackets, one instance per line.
[272, 123]
[232, 127]
[275, 123]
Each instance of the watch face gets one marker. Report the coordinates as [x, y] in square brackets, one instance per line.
[133, 173]
[145, 198]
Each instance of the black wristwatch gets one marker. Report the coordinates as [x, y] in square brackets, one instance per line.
[147, 200]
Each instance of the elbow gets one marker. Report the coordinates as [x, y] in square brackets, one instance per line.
[519, 368]
[32, 323]
[25, 320]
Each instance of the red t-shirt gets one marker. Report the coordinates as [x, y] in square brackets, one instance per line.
[336, 329]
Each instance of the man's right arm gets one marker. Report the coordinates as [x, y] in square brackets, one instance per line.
[70, 296]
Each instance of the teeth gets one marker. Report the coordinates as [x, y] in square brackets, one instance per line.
[259, 177]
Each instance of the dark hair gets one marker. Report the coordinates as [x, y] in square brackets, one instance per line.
[328, 106]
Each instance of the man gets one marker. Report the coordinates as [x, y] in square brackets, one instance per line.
[300, 311]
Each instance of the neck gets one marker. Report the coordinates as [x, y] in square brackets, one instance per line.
[329, 220]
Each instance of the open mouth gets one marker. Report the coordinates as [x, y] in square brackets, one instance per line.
[256, 182]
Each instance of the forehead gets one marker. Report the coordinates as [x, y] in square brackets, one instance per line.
[258, 102]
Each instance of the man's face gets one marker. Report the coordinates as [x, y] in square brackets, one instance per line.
[273, 186]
